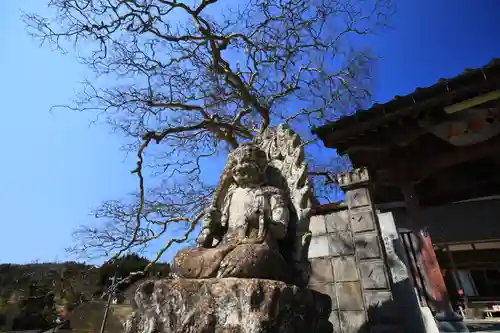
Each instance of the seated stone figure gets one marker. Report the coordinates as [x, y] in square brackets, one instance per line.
[244, 231]
[248, 272]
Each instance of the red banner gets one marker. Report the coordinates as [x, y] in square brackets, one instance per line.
[436, 288]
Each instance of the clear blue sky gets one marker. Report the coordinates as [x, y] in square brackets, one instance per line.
[55, 167]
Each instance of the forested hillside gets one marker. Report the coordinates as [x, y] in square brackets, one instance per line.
[31, 296]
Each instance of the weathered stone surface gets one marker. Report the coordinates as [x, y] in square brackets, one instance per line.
[373, 275]
[353, 177]
[367, 246]
[228, 306]
[362, 220]
[327, 289]
[353, 322]
[331, 245]
[243, 261]
[340, 244]
[318, 247]
[321, 270]
[337, 221]
[317, 225]
[345, 269]
[358, 198]
[335, 321]
[349, 296]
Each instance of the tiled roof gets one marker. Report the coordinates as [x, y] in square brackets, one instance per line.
[387, 110]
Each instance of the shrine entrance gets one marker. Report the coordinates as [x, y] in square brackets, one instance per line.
[433, 158]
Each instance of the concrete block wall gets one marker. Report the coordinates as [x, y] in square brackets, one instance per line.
[348, 264]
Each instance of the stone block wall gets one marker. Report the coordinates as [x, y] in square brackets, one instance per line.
[349, 264]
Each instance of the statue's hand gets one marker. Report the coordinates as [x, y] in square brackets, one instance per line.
[204, 238]
[279, 222]
[210, 228]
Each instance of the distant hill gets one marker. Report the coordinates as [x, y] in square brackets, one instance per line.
[31, 296]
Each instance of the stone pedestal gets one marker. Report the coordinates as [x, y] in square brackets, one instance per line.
[229, 305]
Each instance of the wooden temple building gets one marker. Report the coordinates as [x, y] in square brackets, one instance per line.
[433, 158]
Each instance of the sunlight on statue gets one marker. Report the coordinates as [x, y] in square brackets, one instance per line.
[252, 228]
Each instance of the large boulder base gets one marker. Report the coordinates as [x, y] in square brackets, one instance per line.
[229, 305]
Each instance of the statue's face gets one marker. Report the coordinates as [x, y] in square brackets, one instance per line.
[249, 164]
[247, 173]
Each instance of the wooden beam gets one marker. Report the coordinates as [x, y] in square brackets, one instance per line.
[418, 168]
[384, 140]
[394, 134]
[459, 180]
[455, 195]
[461, 155]
[468, 258]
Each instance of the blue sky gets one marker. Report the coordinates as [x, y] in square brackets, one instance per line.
[55, 167]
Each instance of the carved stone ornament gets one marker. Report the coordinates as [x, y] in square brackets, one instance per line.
[249, 268]
[353, 178]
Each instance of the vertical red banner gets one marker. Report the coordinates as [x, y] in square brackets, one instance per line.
[436, 287]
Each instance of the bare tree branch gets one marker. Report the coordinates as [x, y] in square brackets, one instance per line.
[198, 78]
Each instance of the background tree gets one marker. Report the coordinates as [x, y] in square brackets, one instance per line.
[196, 78]
[126, 265]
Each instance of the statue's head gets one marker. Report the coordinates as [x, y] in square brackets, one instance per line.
[248, 164]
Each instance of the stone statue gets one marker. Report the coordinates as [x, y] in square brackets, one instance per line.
[258, 222]
[249, 270]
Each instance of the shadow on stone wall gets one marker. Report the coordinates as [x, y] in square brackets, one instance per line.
[364, 300]
[403, 290]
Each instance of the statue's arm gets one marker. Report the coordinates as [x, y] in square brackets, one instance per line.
[206, 237]
[279, 216]
[214, 224]
[210, 228]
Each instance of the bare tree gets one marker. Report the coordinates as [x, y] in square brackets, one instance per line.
[197, 78]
